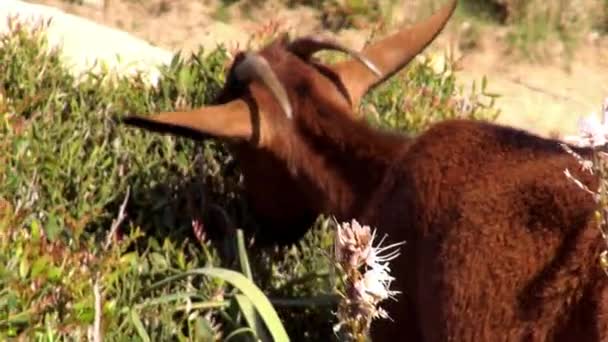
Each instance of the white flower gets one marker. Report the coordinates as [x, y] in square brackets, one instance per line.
[592, 131]
[376, 259]
[371, 289]
[354, 248]
[353, 243]
[377, 282]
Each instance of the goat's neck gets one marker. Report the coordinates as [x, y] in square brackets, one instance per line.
[344, 171]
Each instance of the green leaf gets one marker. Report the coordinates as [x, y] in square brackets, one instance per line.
[24, 267]
[85, 313]
[52, 228]
[20, 318]
[40, 265]
[168, 298]
[251, 316]
[129, 258]
[35, 229]
[139, 326]
[21, 145]
[158, 260]
[203, 330]
[54, 273]
[184, 79]
[249, 289]
[243, 259]
[181, 261]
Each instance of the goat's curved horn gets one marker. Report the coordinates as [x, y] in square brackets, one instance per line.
[307, 46]
[391, 54]
[255, 67]
[231, 120]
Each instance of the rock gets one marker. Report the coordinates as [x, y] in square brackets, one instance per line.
[83, 42]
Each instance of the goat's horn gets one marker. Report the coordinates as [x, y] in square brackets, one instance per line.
[307, 46]
[391, 54]
[255, 67]
[230, 120]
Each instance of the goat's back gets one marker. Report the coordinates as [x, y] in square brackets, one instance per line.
[500, 244]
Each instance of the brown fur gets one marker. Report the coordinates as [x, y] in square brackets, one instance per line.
[499, 242]
[500, 245]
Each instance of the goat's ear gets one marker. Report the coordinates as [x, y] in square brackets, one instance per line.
[233, 120]
[391, 54]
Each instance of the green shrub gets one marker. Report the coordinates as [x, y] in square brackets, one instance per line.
[66, 167]
[336, 15]
[543, 29]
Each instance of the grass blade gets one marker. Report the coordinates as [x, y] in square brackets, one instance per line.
[248, 288]
[243, 259]
[139, 326]
[251, 316]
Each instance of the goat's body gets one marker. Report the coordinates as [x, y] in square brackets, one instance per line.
[500, 245]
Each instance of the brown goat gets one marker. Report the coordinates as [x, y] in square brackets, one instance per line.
[500, 245]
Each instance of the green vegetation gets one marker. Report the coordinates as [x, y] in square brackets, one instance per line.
[538, 30]
[339, 14]
[68, 170]
[539, 25]
[535, 30]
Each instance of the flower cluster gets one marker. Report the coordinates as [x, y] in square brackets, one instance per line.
[594, 133]
[354, 251]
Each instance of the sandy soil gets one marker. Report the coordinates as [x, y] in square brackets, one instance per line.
[545, 98]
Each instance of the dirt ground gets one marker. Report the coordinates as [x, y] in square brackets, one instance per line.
[544, 97]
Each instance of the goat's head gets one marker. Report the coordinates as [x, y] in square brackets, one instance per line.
[288, 119]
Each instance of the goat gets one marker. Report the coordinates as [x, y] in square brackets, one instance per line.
[500, 245]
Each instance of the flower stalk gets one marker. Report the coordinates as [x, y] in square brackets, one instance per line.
[366, 276]
[593, 133]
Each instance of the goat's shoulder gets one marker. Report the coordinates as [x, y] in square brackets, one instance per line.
[518, 171]
[455, 156]
[483, 141]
